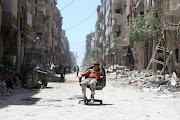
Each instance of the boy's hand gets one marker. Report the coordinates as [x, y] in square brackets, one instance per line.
[80, 78]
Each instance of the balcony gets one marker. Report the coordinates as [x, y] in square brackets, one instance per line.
[41, 2]
[117, 19]
[116, 2]
[123, 43]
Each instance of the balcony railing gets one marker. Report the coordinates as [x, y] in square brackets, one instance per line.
[117, 19]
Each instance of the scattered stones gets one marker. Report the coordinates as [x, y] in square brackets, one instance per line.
[149, 82]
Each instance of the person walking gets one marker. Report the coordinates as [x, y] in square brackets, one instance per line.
[77, 70]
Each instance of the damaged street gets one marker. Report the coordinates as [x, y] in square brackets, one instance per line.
[60, 100]
[89, 59]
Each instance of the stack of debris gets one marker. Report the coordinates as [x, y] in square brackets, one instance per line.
[148, 81]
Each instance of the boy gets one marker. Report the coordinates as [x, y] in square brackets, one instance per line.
[12, 80]
[93, 77]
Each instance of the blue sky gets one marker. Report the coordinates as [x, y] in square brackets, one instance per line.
[74, 14]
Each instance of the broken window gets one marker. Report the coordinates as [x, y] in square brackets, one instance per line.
[119, 11]
[39, 35]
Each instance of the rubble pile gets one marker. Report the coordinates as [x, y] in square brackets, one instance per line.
[148, 81]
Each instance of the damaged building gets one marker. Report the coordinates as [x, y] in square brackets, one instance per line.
[161, 52]
[42, 37]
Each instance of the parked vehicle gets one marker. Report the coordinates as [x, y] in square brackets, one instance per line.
[36, 76]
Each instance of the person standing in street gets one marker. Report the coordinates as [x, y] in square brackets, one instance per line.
[74, 69]
[77, 70]
[64, 70]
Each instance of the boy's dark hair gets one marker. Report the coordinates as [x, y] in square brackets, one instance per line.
[17, 75]
[96, 64]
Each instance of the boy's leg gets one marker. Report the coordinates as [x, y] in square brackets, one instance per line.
[93, 87]
[9, 85]
[83, 85]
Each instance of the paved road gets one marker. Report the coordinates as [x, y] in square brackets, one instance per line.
[60, 102]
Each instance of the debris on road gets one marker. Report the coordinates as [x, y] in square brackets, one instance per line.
[148, 81]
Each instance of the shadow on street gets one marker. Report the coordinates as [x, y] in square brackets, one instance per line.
[19, 97]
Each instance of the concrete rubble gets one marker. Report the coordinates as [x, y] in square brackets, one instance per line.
[148, 81]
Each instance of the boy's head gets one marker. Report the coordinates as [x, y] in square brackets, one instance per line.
[96, 67]
[16, 76]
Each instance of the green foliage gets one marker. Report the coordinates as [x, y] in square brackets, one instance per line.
[93, 52]
[143, 28]
[115, 37]
[89, 61]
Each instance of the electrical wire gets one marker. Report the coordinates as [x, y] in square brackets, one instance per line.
[86, 18]
[67, 5]
[81, 21]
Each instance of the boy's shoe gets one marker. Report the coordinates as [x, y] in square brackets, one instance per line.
[91, 102]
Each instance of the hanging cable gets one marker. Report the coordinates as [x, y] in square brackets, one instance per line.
[85, 19]
[67, 5]
[81, 21]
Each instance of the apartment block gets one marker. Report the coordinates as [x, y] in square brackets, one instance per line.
[42, 37]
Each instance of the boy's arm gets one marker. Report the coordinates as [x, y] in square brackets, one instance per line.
[12, 81]
[85, 74]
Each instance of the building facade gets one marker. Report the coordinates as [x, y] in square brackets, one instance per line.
[112, 36]
[110, 32]
[41, 33]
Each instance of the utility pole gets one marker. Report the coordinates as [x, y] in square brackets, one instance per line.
[18, 57]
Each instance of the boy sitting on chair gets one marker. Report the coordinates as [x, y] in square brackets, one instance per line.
[93, 77]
